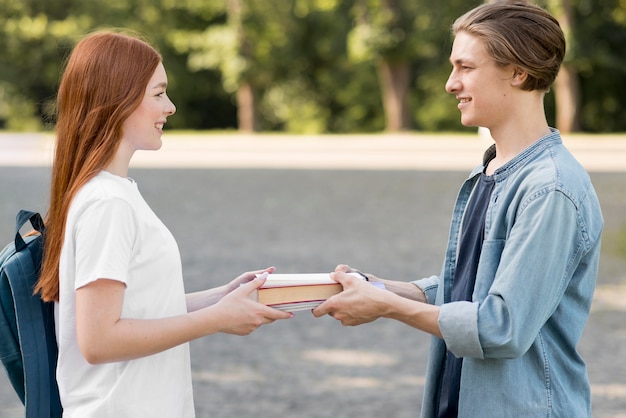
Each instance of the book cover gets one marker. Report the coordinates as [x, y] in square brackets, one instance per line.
[294, 292]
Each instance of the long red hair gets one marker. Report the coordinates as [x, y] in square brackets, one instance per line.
[103, 83]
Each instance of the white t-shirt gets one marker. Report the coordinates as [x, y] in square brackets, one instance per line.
[112, 233]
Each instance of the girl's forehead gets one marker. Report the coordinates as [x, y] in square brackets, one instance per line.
[159, 77]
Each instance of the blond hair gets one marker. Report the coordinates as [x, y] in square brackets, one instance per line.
[519, 34]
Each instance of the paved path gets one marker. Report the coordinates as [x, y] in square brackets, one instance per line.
[380, 152]
[392, 221]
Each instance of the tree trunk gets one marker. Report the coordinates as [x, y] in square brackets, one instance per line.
[247, 114]
[566, 86]
[567, 97]
[394, 84]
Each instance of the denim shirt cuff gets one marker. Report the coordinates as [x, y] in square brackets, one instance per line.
[429, 287]
[458, 323]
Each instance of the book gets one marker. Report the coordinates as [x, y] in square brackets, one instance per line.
[296, 292]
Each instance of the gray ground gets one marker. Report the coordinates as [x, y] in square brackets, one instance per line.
[391, 223]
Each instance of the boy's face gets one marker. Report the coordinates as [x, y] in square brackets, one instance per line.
[482, 87]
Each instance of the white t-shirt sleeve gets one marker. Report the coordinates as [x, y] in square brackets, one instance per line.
[105, 237]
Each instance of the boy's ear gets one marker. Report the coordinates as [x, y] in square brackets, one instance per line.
[519, 77]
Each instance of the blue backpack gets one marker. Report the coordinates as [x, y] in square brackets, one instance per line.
[28, 347]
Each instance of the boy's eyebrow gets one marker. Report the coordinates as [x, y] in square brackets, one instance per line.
[458, 61]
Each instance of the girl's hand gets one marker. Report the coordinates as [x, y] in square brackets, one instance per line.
[245, 278]
[240, 314]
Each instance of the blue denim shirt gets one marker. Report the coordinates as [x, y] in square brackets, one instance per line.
[535, 282]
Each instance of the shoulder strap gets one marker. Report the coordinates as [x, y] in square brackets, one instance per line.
[22, 217]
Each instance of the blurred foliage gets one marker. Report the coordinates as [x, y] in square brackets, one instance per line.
[599, 55]
[313, 61]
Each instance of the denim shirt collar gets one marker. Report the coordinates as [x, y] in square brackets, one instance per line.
[553, 138]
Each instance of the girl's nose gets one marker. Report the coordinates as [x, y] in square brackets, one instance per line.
[170, 108]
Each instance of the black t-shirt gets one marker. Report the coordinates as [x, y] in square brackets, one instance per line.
[470, 246]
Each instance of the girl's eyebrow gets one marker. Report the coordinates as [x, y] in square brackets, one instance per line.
[162, 84]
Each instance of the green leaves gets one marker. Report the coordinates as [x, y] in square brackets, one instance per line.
[312, 64]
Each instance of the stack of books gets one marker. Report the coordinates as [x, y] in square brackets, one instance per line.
[297, 292]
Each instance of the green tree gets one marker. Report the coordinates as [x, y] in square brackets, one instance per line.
[382, 34]
[318, 89]
[304, 66]
[566, 86]
[600, 62]
[242, 39]
[284, 62]
[36, 36]
[31, 36]
[407, 41]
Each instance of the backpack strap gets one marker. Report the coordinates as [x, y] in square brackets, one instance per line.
[22, 217]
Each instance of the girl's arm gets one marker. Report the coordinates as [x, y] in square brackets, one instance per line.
[209, 297]
[104, 336]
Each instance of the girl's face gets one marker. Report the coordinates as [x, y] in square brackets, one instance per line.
[482, 87]
[144, 127]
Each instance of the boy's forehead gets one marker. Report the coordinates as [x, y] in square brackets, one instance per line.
[467, 48]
